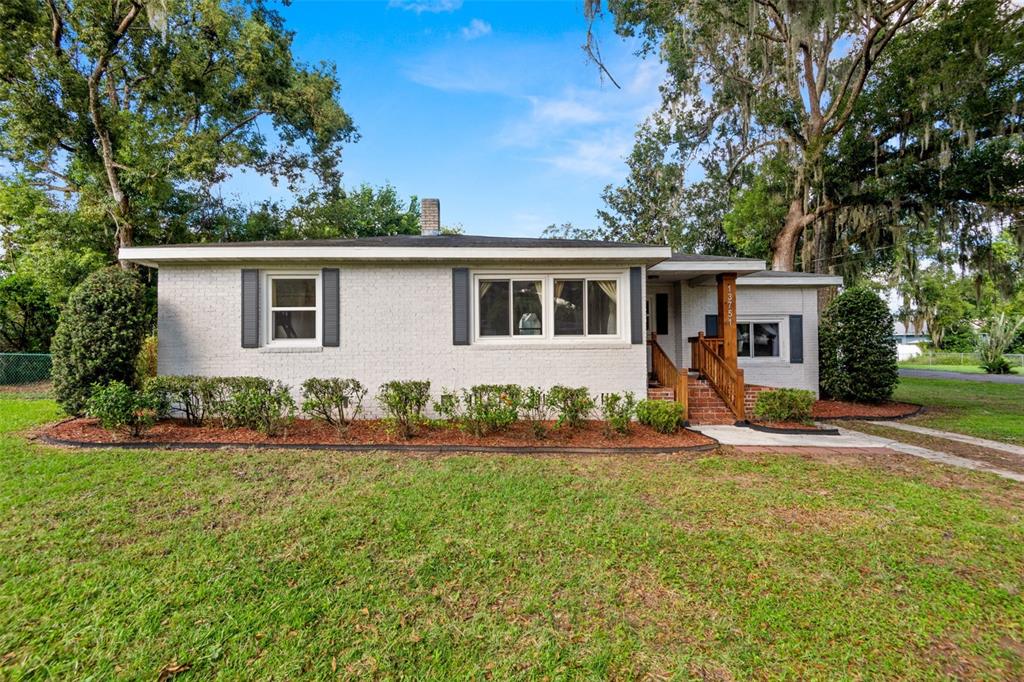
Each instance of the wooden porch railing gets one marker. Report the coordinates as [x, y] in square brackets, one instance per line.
[668, 375]
[708, 359]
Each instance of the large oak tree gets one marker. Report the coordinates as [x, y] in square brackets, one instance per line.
[135, 110]
[821, 151]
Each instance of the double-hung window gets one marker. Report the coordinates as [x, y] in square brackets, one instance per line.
[520, 306]
[757, 339]
[293, 308]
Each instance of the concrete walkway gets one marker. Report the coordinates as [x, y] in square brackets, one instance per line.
[743, 437]
[970, 440]
[962, 376]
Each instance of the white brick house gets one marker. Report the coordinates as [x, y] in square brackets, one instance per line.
[462, 310]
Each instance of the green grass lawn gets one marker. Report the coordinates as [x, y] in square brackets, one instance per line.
[986, 410]
[284, 565]
[963, 369]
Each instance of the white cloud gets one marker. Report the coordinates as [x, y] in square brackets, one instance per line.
[478, 28]
[429, 6]
[562, 115]
[601, 156]
[565, 109]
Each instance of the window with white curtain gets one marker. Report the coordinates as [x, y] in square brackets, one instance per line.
[510, 307]
[757, 339]
[534, 307]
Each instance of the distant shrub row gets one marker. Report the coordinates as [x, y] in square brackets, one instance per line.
[267, 406]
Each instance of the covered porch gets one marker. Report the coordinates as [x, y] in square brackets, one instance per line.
[692, 354]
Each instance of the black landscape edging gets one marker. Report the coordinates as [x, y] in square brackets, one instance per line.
[791, 432]
[384, 447]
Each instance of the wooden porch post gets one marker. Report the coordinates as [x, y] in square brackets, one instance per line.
[727, 315]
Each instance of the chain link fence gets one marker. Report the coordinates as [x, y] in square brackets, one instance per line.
[929, 357]
[20, 369]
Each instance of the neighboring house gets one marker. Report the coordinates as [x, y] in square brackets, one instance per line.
[907, 339]
[911, 333]
[464, 310]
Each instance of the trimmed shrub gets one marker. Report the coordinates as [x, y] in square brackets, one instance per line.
[784, 405]
[664, 416]
[617, 410]
[403, 402]
[119, 407]
[572, 405]
[257, 403]
[195, 397]
[334, 401]
[483, 408]
[536, 410]
[145, 363]
[857, 350]
[98, 337]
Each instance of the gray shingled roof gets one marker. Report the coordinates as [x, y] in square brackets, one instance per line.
[458, 240]
[781, 274]
[697, 258]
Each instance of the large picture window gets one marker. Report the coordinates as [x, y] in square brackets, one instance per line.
[547, 306]
[292, 307]
[757, 339]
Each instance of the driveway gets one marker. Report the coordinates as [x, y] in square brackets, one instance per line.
[962, 376]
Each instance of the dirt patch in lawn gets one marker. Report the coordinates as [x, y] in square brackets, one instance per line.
[377, 433]
[38, 388]
[839, 409]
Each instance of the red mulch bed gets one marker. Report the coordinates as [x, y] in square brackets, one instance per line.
[837, 409]
[374, 432]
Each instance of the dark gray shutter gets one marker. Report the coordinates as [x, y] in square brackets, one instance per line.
[636, 305]
[796, 339]
[661, 313]
[250, 308]
[460, 306]
[329, 281]
[711, 325]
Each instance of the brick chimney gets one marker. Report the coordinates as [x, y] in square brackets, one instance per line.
[430, 217]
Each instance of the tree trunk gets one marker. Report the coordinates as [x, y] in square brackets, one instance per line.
[784, 248]
[124, 235]
[824, 246]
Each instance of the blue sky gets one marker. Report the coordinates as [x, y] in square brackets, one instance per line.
[489, 106]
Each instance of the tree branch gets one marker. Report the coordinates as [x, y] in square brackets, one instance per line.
[57, 28]
[241, 124]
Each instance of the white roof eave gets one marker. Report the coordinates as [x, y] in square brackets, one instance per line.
[153, 256]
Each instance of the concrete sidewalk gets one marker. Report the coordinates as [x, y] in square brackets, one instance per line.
[854, 440]
[959, 437]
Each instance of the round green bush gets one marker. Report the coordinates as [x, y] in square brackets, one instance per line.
[98, 337]
[857, 350]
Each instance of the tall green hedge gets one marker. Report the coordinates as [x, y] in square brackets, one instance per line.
[98, 336]
[857, 349]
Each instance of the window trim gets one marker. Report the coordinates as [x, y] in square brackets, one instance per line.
[268, 311]
[782, 357]
[547, 278]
